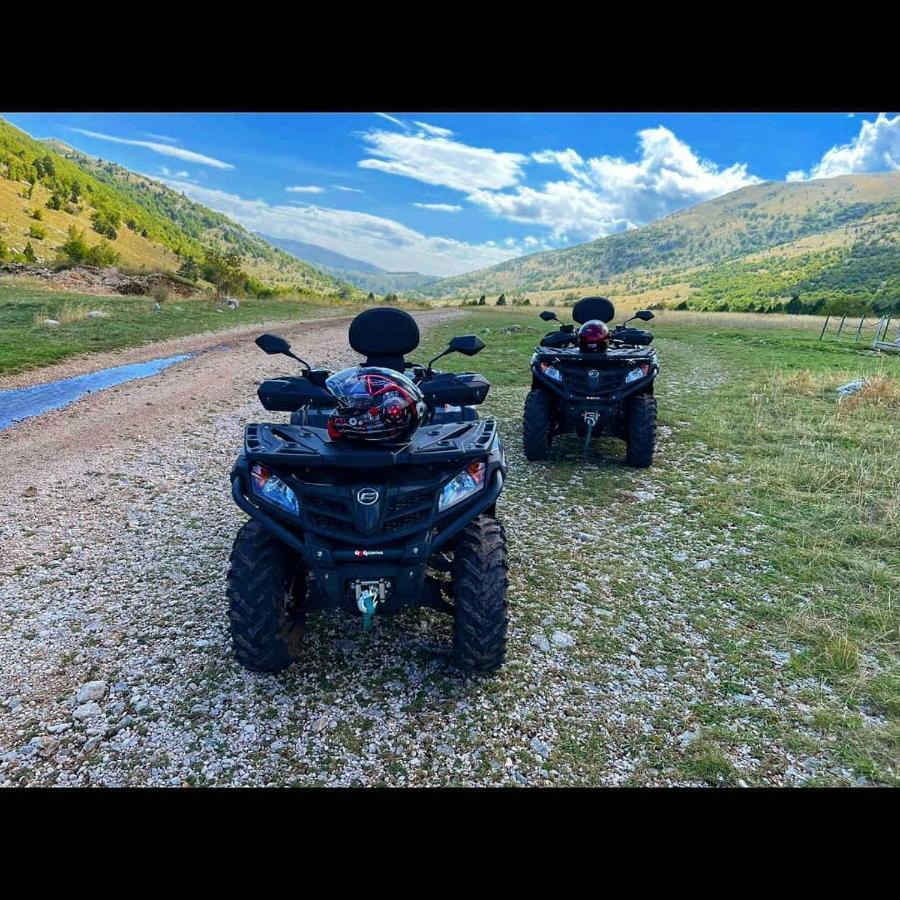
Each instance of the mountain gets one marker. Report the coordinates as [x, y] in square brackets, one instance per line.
[833, 242]
[148, 224]
[362, 274]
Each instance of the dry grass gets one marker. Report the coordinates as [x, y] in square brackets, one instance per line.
[65, 315]
[881, 390]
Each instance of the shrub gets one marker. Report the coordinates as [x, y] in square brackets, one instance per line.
[102, 254]
[189, 269]
[481, 300]
[29, 253]
[501, 300]
[38, 232]
[37, 214]
[55, 201]
[75, 249]
[105, 223]
[4, 250]
[160, 293]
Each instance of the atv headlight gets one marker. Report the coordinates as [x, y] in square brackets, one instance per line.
[636, 373]
[551, 372]
[270, 487]
[470, 481]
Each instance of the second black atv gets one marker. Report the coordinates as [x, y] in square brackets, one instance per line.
[593, 381]
[379, 494]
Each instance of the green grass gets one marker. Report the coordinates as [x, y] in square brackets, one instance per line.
[26, 343]
[762, 455]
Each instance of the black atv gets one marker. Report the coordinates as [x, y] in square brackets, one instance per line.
[379, 494]
[594, 381]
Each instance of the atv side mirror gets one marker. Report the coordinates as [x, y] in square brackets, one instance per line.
[547, 315]
[467, 344]
[644, 315]
[272, 343]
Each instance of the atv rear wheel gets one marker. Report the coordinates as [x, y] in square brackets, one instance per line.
[536, 425]
[479, 584]
[641, 431]
[266, 600]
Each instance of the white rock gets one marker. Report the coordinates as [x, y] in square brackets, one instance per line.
[540, 641]
[91, 690]
[87, 711]
[562, 639]
[51, 322]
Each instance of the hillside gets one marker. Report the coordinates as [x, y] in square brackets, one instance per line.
[364, 275]
[833, 242]
[147, 224]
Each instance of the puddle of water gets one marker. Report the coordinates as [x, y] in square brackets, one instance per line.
[40, 398]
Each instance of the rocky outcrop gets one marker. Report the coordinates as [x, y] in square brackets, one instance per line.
[105, 281]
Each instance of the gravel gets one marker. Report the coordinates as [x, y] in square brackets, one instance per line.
[117, 660]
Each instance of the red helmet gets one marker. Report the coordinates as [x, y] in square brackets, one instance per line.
[593, 336]
[374, 405]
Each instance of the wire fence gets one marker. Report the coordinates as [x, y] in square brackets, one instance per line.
[879, 334]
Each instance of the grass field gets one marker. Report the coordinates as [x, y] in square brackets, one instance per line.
[26, 343]
[736, 615]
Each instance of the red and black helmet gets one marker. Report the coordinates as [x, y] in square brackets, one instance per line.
[374, 404]
[593, 336]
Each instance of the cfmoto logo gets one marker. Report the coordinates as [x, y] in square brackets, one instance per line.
[367, 496]
[594, 374]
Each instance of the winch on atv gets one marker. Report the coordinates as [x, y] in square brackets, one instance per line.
[379, 494]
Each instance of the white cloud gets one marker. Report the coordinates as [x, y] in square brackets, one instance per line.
[435, 130]
[381, 241]
[162, 149]
[437, 160]
[568, 160]
[170, 174]
[396, 121]
[875, 149]
[795, 175]
[305, 189]
[439, 207]
[160, 137]
[606, 194]
[349, 190]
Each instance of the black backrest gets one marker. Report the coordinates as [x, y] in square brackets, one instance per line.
[593, 308]
[383, 335]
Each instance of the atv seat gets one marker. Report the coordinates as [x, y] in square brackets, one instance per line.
[593, 308]
[383, 335]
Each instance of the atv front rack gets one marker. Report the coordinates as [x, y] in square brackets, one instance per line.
[302, 445]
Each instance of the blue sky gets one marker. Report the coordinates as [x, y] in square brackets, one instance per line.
[444, 193]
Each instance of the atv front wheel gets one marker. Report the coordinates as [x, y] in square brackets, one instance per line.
[266, 600]
[479, 583]
[536, 425]
[641, 431]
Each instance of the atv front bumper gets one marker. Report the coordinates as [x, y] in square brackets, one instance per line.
[335, 567]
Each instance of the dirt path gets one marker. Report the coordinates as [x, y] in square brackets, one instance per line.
[194, 343]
